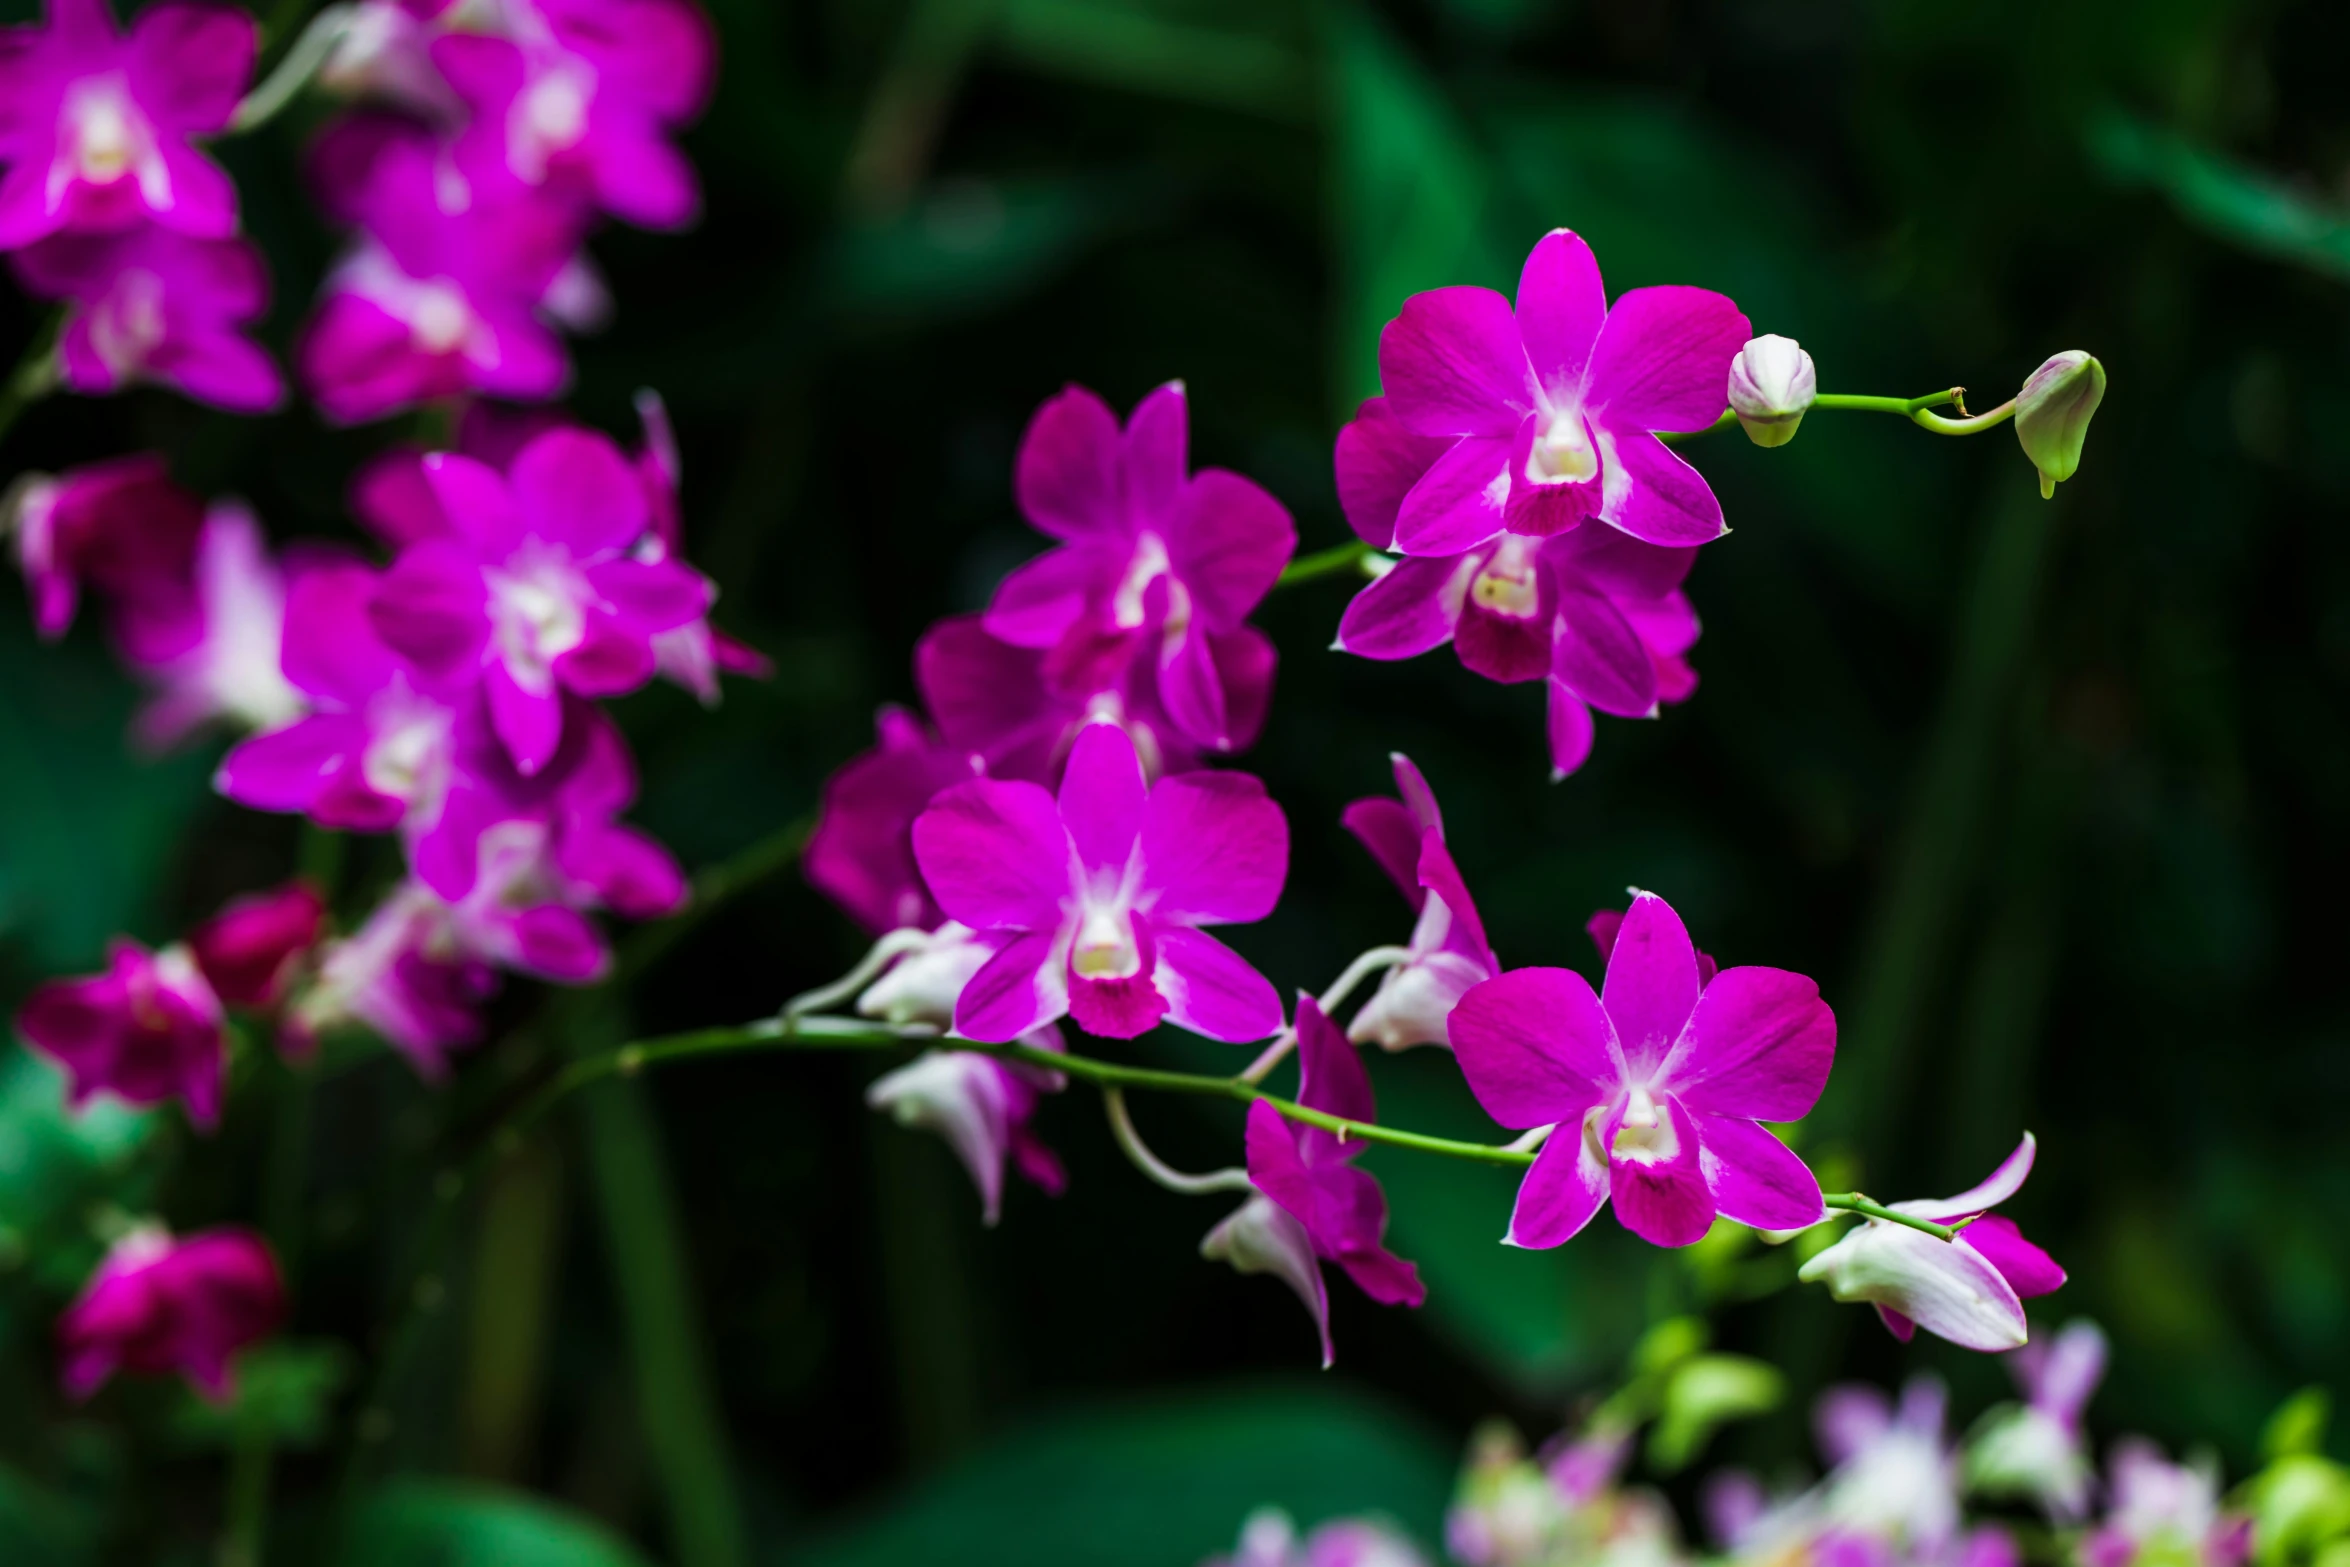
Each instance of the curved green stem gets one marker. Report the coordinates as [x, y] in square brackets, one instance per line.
[293, 72]
[35, 375]
[1917, 410]
[1854, 1202]
[1325, 563]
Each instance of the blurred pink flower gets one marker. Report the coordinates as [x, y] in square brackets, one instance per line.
[159, 1305]
[146, 1030]
[1449, 954]
[152, 304]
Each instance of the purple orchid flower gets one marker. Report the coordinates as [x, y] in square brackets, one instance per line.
[402, 975]
[694, 654]
[146, 1030]
[1549, 410]
[538, 587]
[154, 305]
[861, 854]
[1155, 563]
[95, 125]
[1606, 924]
[2158, 1511]
[250, 951]
[994, 700]
[1657, 1086]
[379, 742]
[2037, 1449]
[1449, 951]
[1102, 893]
[1970, 1290]
[216, 654]
[982, 1107]
[444, 294]
[159, 1305]
[1597, 613]
[1895, 1480]
[583, 97]
[121, 525]
[1309, 1174]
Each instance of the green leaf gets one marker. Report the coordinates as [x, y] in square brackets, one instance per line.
[1157, 1484]
[2299, 1424]
[284, 1389]
[2221, 196]
[39, 1529]
[54, 1161]
[447, 1523]
[1705, 1393]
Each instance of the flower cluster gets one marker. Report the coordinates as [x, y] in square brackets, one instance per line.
[1896, 1493]
[487, 141]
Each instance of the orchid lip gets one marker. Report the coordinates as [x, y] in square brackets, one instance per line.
[1105, 946]
[1645, 1134]
[1150, 563]
[1507, 585]
[1563, 452]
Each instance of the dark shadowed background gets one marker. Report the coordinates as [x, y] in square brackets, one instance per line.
[2052, 798]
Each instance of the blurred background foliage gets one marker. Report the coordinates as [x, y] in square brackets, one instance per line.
[2054, 799]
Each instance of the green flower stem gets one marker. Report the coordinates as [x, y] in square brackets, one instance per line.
[253, 1455]
[292, 72]
[1917, 410]
[35, 375]
[1337, 559]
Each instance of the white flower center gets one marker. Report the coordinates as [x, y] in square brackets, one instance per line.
[1149, 564]
[1646, 1135]
[127, 326]
[103, 129]
[1106, 948]
[440, 320]
[1563, 453]
[396, 762]
[1506, 585]
[555, 109]
[537, 605]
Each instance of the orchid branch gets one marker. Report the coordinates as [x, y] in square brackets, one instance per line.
[294, 71]
[1138, 1152]
[1354, 554]
[1917, 410]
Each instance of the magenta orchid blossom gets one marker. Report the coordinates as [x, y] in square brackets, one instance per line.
[861, 854]
[1449, 954]
[147, 1030]
[1596, 613]
[154, 305]
[402, 975]
[1550, 409]
[536, 587]
[121, 526]
[1310, 1175]
[95, 124]
[445, 293]
[1970, 1290]
[160, 1305]
[251, 950]
[695, 654]
[1156, 563]
[1101, 892]
[982, 1108]
[214, 656]
[1657, 1086]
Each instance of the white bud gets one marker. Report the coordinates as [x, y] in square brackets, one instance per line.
[1772, 383]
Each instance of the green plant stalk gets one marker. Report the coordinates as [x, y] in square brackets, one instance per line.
[245, 1539]
[1917, 410]
[1325, 563]
[35, 375]
[293, 72]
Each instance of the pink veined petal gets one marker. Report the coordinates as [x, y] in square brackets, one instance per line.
[1561, 307]
[1460, 502]
[1157, 451]
[1507, 649]
[1212, 990]
[1534, 1045]
[1192, 690]
[1989, 1193]
[189, 64]
[1385, 1277]
[1412, 788]
[574, 487]
[1038, 602]
[1102, 798]
[1330, 1075]
[1759, 1045]
[1391, 833]
[1665, 1202]
[1442, 877]
[651, 595]
[613, 658]
[204, 199]
[1274, 1165]
[1618, 564]
[1597, 655]
[996, 857]
[1954, 1292]
[1757, 1179]
[1452, 364]
[1896, 1324]
[1245, 661]
[528, 723]
[394, 499]
[1410, 610]
[1066, 477]
[1376, 462]
[1215, 849]
[329, 647]
[1563, 1190]
[474, 498]
[1022, 988]
[1227, 542]
[2029, 1271]
[1570, 729]
[1656, 497]
[1668, 626]
[1662, 362]
[222, 370]
[432, 608]
[642, 179]
[284, 769]
[1125, 1008]
[1651, 986]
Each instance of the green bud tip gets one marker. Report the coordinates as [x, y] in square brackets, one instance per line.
[2052, 414]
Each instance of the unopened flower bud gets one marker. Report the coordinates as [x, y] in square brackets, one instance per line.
[1772, 383]
[2052, 414]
